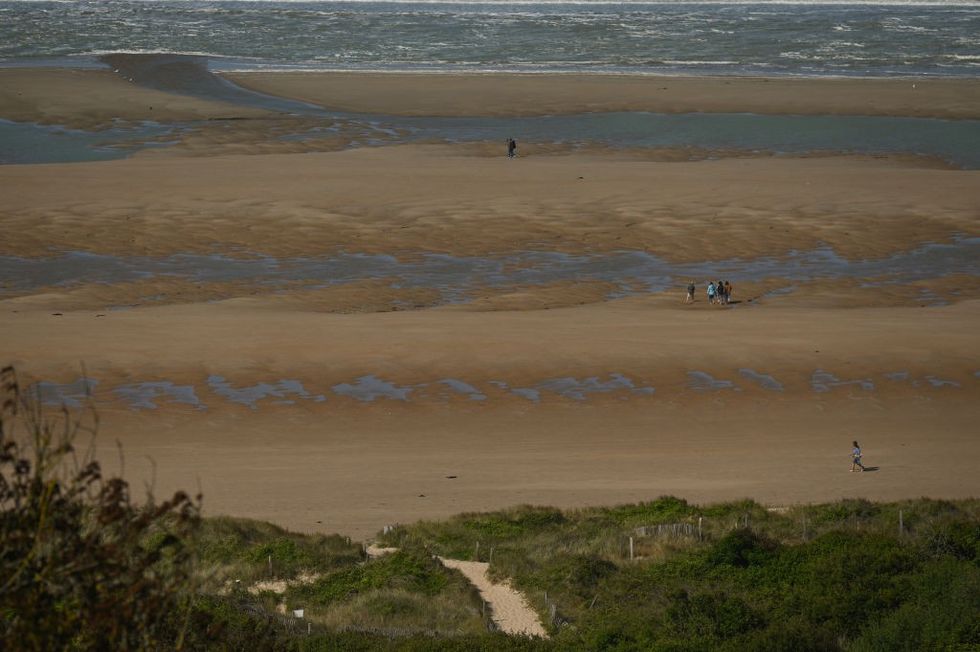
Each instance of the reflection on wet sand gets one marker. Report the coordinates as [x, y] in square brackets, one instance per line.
[456, 277]
[369, 388]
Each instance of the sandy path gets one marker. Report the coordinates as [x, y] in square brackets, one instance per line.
[509, 608]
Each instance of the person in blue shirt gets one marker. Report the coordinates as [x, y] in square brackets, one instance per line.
[856, 458]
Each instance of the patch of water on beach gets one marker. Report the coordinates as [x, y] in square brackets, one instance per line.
[577, 389]
[529, 393]
[72, 395]
[368, 388]
[902, 377]
[284, 390]
[930, 298]
[701, 381]
[824, 381]
[27, 142]
[145, 396]
[764, 380]
[455, 277]
[459, 387]
[940, 382]
[779, 292]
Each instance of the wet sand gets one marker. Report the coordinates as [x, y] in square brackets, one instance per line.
[534, 94]
[848, 357]
[411, 198]
[88, 99]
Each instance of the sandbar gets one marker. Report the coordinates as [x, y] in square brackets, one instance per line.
[421, 94]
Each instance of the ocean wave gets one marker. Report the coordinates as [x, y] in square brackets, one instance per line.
[182, 53]
[508, 34]
[695, 62]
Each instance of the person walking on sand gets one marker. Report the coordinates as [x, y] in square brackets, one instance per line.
[856, 458]
[711, 292]
[690, 292]
[728, 292]
[511, 148]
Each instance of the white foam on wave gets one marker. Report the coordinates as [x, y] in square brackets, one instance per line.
[695, 62]
[181, 53]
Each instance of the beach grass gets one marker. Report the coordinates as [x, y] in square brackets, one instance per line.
[248, 551]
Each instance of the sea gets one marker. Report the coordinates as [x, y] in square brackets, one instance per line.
[878, 39]
[182, 46]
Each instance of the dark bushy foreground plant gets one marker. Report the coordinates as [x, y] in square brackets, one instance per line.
[81, 565]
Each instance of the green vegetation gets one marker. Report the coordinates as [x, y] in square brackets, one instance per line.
[841, 576]
[247, 550]
[83, 567]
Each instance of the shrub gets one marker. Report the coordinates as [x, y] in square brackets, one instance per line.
[741, 548]
[82, 566]
[661, 510]
[244, 549]
[942, 613]
[407, 570]
[512, 523]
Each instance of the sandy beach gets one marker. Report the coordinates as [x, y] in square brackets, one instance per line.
[335, 405]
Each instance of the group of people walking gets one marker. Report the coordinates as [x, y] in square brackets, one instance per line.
[719, 292]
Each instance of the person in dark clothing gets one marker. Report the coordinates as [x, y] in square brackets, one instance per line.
[511, 148]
